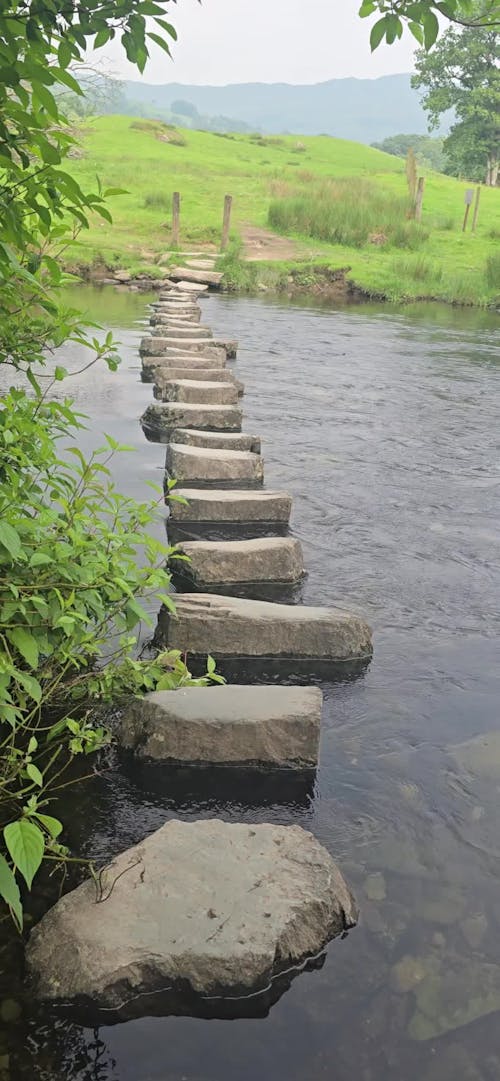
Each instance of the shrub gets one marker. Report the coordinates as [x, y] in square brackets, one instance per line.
[157, 200]
[492, 271]
[348, 212]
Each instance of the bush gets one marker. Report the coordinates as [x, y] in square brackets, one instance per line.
[492, 271]
[157, 200]
[347, 212]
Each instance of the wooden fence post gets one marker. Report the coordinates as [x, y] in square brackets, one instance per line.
[176, 216]
[226, 221]
[419, 198]
[476, 209]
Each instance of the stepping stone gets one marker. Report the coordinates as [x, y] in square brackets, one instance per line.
[211, 907]
[241, 725]
[189, 288]
[206, 623]
[154, 346]
[178, 359]
[161, 418]
[201, 264]
[199, 277]
[231, 441]
[197, 465]
[183, 361]
[197, 390]
[181, 330]
[163, 375]
[230, 506]
[221, 563]
[176, 318]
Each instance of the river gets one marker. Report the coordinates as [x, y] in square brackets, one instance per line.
[384, 425]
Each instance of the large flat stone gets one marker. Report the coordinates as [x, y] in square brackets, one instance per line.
[235, 627]
[215, 906]
[231, 441]
[197, 465]
[163, 376]
[180, 360]
[177, 329]
[231, 505]
[174, 318]
[278, 726]
[217, 563]
[161, 418]
[154, 346]
[198, 277]
[197, 390]
[186, 290]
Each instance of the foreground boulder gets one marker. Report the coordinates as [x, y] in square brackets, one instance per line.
[164, 374]
[235, 627]
[219, 907]
[241, 725]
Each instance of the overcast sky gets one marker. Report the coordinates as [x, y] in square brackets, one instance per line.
[298, 41]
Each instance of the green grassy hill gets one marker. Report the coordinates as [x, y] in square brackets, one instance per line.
[346, 205]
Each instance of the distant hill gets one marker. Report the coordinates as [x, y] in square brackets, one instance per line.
[365, 110]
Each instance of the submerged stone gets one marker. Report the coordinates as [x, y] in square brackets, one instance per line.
[453, 992]
[231, 506]
[268, 559]
[235, 627]
[198, 465]
[218, 907]
[245, 725]
[480, 756]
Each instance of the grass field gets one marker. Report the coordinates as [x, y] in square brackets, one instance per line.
[310, 188]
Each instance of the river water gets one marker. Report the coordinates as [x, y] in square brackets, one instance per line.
[384, 425]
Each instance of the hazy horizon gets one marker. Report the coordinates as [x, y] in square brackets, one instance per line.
[221, 43]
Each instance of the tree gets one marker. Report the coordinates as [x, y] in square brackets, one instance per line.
[421, 18]
[428, 150]
[76, 558]
[463, 73]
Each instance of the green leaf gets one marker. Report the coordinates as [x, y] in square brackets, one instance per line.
[9, 890]
[60, 373]
[431, 29]
[377, 33]
[25, 643]
[40, 559]
[30, 684]
[10, 539]
[32, 745]
[25, 845]
[53, 825]
[34, 774]
[159, 41]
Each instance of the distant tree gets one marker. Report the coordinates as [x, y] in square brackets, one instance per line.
[428, 150]
[184, 108]
[421, 18]
[463, 73]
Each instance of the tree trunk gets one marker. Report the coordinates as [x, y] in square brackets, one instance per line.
[492, 171]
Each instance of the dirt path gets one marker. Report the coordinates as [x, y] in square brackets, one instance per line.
[261, 244]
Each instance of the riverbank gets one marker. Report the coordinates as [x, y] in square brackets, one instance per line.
[392, 259]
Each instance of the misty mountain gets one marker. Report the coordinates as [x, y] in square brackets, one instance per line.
[365, 110]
